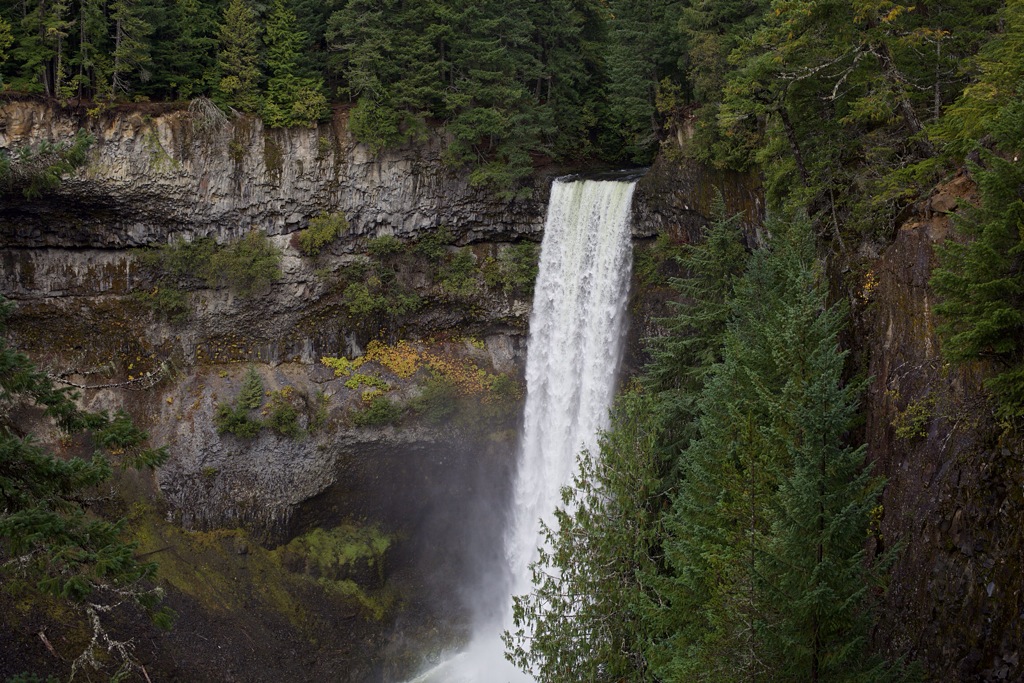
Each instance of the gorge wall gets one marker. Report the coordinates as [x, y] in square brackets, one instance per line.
[71, 261]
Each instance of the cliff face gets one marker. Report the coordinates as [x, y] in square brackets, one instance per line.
[193, 171]
[955, 492]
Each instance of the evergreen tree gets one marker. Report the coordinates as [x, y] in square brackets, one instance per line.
[643, 52]
[47, 534]
[6, 39]
[584, 619]
[41, 47]
[91, 63]
[768, 525]
[682, 358]
[981, 281]
[238, 60]
[185, 48]
[291, 99]
[131, 45]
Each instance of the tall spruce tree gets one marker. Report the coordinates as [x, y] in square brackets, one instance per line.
[131, 59]
[981, 281]
[238, 59]
[766, 544]
[292, 100]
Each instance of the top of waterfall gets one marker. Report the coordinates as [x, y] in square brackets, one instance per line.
[622, 175]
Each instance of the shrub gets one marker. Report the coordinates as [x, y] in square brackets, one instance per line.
[459, 275]
[383, 246]
[281, 415]
[434, 244]
[180, 259]
[379, 412]
[322, 230]
[167, 302]
[515, 269]
[247, 266]
[437, 401]
[233, 419]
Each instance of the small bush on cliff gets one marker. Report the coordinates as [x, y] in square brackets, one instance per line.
[380, 412]
[459, 275]
[234, 419]
[437, 401]
[322, 230]
[515, 269]
[281, 414]
[247, 266]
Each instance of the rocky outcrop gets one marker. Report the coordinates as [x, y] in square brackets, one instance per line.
[193, 171]
[955, 480]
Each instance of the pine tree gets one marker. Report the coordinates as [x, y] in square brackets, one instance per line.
[291, 99]
[238, 60]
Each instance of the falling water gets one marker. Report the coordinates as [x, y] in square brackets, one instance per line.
[576, 332]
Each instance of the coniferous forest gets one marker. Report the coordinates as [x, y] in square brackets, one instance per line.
[727, 529]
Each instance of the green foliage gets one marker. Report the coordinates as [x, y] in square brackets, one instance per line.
[756, 569]
[768, 524]
[250, 397]
[583, 619]
[459, 275]
[322, 230]
[384, 246]
[167, 302]
[48, 531]
[912, 422]
[381, 411]
[234, 419]
[360, 380]
[281, 414]
[437, 401]
[435, 243]
[292, 100]
[515, 269]
[35, 170]
[131, 44]
[238, 60]
[981, 281]
[32, 678]
[248, 266]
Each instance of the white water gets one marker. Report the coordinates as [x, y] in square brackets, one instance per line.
[576, 332]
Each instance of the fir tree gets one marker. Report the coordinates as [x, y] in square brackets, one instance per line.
[768, 526]
[47, 533]
[291, 99]
[238, 60]
[981, 281]
[584, 619]
[131, 45]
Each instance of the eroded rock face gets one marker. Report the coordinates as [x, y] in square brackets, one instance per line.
[955, 492]
[191, 171]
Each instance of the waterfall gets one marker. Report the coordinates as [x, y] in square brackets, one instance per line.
[576, 332]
